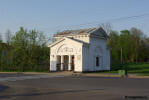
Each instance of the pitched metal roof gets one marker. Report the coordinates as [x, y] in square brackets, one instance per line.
[78, 31]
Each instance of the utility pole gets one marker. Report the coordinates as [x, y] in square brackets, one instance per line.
[121, 55]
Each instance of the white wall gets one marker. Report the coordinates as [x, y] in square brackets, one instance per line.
[77, 52]
[102, 52]
[98, 47]
[85, 56]
[84, 38]
[52, 63]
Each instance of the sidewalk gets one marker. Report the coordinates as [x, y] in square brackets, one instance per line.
[112, 75]
[77, 74]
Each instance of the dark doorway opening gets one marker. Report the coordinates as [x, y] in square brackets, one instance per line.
[66, 61]
[72, 64]
[58, 64]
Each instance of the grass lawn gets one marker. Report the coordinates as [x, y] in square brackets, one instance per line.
[139, 69]
[132, 68]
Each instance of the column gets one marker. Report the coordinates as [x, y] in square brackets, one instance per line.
[69, 63]
[62, 63]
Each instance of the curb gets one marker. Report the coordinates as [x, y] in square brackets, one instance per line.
[118, 76]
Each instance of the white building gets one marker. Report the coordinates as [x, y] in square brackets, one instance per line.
[80, 51]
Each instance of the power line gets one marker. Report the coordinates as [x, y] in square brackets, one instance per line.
[130, 17]
[106, 21]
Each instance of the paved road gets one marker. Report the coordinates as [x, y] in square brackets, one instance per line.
[45, 87]
[16, 77]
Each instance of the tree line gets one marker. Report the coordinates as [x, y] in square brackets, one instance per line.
[128, 46]
[26, 50]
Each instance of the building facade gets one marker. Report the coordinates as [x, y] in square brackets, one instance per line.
[80, 50]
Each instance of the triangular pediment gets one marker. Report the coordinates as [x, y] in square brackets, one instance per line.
[99, 32]
[63, 39]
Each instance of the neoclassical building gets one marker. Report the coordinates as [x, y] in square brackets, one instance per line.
[80, 51]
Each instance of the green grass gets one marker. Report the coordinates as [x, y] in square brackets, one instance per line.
[143, 74]
[132, 68]
[140, 68]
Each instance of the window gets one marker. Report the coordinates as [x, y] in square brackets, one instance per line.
[97, 61]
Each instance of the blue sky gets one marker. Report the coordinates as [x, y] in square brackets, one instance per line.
[51, 16]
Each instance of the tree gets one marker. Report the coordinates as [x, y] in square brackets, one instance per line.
[125, 43]
[137, 36]
[20, 45]
[147, 40]
[0, 51]
[29, 50]
[129, 46]
[1, 38]
[114, 49]
[37, 49]
[107, 27]
[8, 36]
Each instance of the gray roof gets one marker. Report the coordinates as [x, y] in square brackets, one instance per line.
[78, 31]
[93, 31]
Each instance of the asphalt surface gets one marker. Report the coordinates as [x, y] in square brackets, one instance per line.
[43, 87]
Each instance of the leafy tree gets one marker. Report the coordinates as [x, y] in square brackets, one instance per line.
[19, 45]
[125, 45]
[129, 46]
[137, 36]
[113, 44]
[29, 50]
[0, 51]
